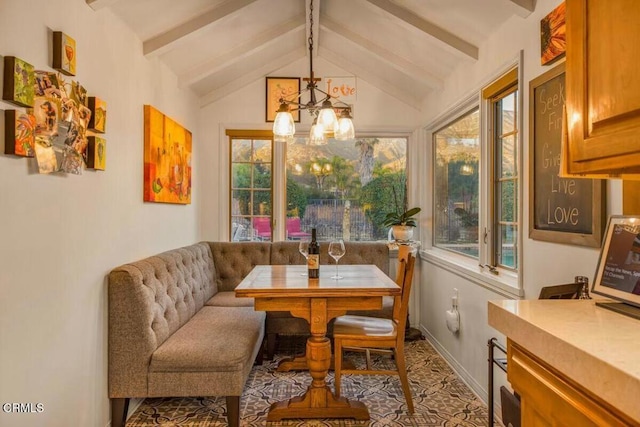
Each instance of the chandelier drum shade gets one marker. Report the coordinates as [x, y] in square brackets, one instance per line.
[321, 106]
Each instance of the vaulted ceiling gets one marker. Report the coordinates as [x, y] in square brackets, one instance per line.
[405, 47]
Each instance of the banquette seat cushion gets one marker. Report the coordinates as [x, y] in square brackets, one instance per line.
[168, 338]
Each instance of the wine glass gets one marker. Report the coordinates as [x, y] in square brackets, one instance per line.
[303, 248]
[336, 251]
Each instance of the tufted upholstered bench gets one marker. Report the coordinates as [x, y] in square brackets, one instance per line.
[176, 327]
[172, 333]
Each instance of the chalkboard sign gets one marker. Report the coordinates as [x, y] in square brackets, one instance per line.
[563, 210]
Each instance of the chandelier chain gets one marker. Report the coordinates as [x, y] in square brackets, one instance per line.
[325, 122]
[311, 27]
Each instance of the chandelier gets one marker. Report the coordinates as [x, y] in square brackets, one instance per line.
[326, 123]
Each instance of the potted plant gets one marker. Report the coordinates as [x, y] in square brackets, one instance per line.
[469, 223]
[402, 223]
[401, 220]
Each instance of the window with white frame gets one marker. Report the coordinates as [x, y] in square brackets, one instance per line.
[457, 185]
[476, 179]
[344, 189]
[503, 134]
[251, 195]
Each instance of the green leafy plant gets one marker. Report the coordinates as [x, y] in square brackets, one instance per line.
[401, 218]
[401, 215]
[376, 200]
[467, 218]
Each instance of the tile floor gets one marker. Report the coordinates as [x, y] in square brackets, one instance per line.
[440, 396]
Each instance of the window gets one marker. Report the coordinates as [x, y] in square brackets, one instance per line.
[457, 190]
[504, 135]
[251, 186]
[343, 189]
[476, 179]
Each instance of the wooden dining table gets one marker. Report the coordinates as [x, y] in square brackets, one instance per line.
[285, 288]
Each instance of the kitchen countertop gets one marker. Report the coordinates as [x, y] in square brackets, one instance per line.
[595, 347]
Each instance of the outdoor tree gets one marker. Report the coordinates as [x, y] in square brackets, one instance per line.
[366, 159]
[296, 198]
[342, 176]
[381, 195]
[252, 193]
[320, 168]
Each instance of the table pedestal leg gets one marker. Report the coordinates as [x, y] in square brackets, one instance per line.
[318, 401]
[299, 363]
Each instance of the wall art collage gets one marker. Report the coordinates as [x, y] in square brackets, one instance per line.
[59, 119]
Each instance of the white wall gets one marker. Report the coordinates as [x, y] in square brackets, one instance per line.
[61, 234]
[245, 109]
[544, 263]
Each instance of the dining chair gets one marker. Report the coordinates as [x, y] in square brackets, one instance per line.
[377, 335]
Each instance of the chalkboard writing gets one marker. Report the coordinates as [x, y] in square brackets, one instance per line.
[559, 204]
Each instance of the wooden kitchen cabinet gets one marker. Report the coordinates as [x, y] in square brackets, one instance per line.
[631, 198]
[603, 88]
[548, 398]
[573, 363]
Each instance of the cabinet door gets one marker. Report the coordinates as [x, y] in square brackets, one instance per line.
[550, 399]
[603, 86]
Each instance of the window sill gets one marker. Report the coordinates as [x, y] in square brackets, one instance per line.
[505, 283]
[394, 246]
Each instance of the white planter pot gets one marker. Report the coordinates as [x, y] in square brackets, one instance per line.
[402, 232]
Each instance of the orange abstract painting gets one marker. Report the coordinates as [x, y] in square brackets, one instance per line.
[553, 35]
[167, 159]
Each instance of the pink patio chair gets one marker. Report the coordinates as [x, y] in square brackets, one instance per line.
[294, 231]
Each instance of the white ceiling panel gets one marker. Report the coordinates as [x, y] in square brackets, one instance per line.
[232, 70]
[230, 35]
[406, 48]
[471, 20]
[148, 18]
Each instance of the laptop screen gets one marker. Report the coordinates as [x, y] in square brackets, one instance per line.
[618, 272]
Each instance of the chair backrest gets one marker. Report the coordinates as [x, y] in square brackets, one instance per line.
[568, 291]
[238, 232]
[404, 278]
[293, 224]
[262, 226]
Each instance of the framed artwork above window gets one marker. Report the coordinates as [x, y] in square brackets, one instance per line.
[280, 87]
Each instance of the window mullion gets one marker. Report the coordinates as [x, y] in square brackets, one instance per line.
[279, 185]
[486, 186]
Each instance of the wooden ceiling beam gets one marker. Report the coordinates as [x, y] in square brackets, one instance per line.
[166, 41]
[427, 27]
[523, 8]
[100, 4]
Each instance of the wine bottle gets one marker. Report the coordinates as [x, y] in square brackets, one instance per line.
[313, 258]
[583, 292]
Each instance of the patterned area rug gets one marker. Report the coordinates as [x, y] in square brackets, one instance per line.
[439, 396]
